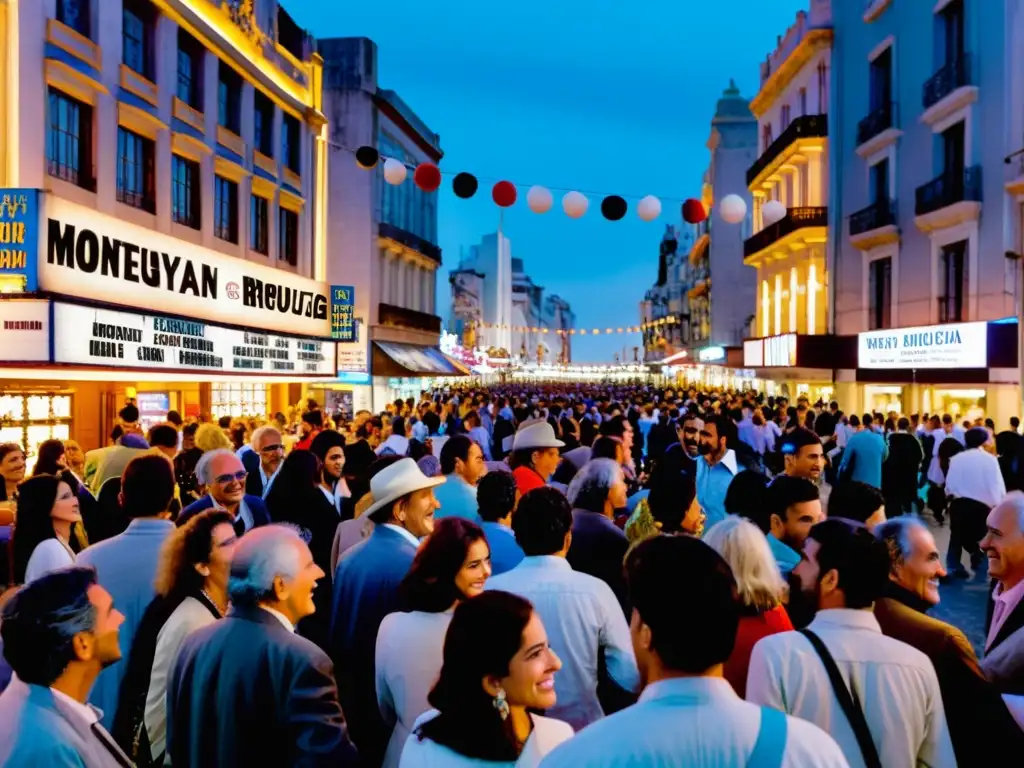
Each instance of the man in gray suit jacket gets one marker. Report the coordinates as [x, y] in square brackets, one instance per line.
[58, 633]
[1004, 647]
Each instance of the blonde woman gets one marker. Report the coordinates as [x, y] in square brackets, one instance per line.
[761, 589]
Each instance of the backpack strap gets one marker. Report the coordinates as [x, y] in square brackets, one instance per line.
[770, 747]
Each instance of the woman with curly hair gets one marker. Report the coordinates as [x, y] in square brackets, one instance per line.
[191, 592]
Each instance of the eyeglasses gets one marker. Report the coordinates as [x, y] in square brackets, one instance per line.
[225, 479]
[272, 448]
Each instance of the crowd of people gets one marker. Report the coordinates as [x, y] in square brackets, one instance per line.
[524, 575]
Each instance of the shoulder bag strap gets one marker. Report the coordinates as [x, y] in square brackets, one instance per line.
[770, 747]
[849, 703]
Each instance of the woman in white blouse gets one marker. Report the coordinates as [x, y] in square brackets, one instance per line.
[47, 511]
[191, 592]
[452, 565]
[497, 667]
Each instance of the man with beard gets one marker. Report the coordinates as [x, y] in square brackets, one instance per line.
[682, 456]
[860, 677]
[58, 633]
[975, 711]
[716, 466]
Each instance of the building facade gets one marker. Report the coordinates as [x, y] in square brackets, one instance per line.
[665, 310]
[162, 165]
[927, 224]
[790, 253]
[383, 236]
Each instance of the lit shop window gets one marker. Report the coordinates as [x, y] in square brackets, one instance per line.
[29, 419]
[238, 400]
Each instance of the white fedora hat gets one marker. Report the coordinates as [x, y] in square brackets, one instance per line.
[400, 479]
[537, 436]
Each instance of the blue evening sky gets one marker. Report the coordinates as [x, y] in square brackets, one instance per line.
[606, 96]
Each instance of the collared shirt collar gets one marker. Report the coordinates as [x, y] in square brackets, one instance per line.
[545, 561]
[1010, 596]
[244, 513]
[403, 532]
[901, 594]
[847, 618]
[728, 460]
[89, 714]
[698, 689]
[269, 481]
[148, 525]
[280, 617]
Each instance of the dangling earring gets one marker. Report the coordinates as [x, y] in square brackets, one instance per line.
[501, 704]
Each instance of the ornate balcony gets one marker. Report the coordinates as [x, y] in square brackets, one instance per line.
[795, 220]
[808, 126]
[953, 75]
[401, 317]
[408, 239]
[877, 121]
[874, 225]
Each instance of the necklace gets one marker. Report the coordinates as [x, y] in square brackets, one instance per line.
[220, 612]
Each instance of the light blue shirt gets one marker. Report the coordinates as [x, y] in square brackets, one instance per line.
[862, 461]
[457, 499]
[786, 557]
[581, 616]
[691, 721]
[268, 481]
[244, 513]
[712, 485]
[125, 567]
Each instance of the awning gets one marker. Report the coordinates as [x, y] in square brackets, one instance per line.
[404, 360]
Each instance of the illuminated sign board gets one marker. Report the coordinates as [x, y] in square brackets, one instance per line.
[25, 330]
[711, 354]
[19, 236]
[343, 322]
[780, 351]
[956, 345]
[753, 353]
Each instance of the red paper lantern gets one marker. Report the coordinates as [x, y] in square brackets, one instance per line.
[504, 194]
[694, 212]
[427, 177]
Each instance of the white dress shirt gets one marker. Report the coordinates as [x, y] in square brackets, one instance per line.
[87, 713]
[581, 616]
[691, 721]
[244, 513]
[896, 684]
[269, 481]
[974, 474]
[285, 622]
[49, 555]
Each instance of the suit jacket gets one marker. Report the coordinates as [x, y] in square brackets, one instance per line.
[975, 712]
[598, 548]
[260, 515]
[1004, 657]
[899, 473]
[365, 591]
[125, 567]
[245, 691]
[254, 481]
[37, 728]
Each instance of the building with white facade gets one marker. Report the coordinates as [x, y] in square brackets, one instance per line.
[383, 237]
[162, 173]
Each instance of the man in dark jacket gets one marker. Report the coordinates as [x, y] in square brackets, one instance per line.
[975, 711]
[247, 690]
[901, 469]
[221, 473]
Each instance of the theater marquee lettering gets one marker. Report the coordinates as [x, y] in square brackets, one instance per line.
[90, 254]
[88, 336]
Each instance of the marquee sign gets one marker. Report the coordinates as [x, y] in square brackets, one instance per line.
[89, 336]
[87, 253]
[956, 345]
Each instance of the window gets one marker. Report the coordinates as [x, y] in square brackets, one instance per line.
[137, 37]
[785, 117]
[74, 14]
[289, 34]
[288, 236]
[822, 88]
[135, 186]
[263, 124]
[953, 151]
[290, 143]
[185, 192]
[407, 206]
[190, 70]
[952, 21]
[766, 136]
[225, 209]
[880, 181]
[880, 294]
[69, 140]
[803, 102]
[953, 280]
[259, 224]
[229, 91]
[880, 86]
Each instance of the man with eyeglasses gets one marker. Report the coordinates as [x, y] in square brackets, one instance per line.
[269, 447]
[223, 476]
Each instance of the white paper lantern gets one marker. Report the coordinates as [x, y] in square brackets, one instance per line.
[772, 211]
[732, 209]
[395, 171]
[539, 199]
[575, 204]
[649, 208]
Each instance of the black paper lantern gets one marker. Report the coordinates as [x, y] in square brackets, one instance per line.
[464, 185]
[367, 157]
[613, 207]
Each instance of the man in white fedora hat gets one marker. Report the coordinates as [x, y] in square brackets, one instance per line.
[366, 590]
[535, 455]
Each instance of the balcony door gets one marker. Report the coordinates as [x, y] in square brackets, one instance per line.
[953, 283]
[880, 182]
[881, 80]
[954, 157]
[880, 294]
[952, 31]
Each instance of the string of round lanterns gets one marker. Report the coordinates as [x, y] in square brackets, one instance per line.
[428, 177]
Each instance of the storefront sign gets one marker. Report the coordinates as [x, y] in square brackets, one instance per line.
[780, 351]
[25, 330]
[753, 353]
[711, 354]
[95, 256]
[343, 322]
[88, 336]
[19, 235]
[957, 345]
